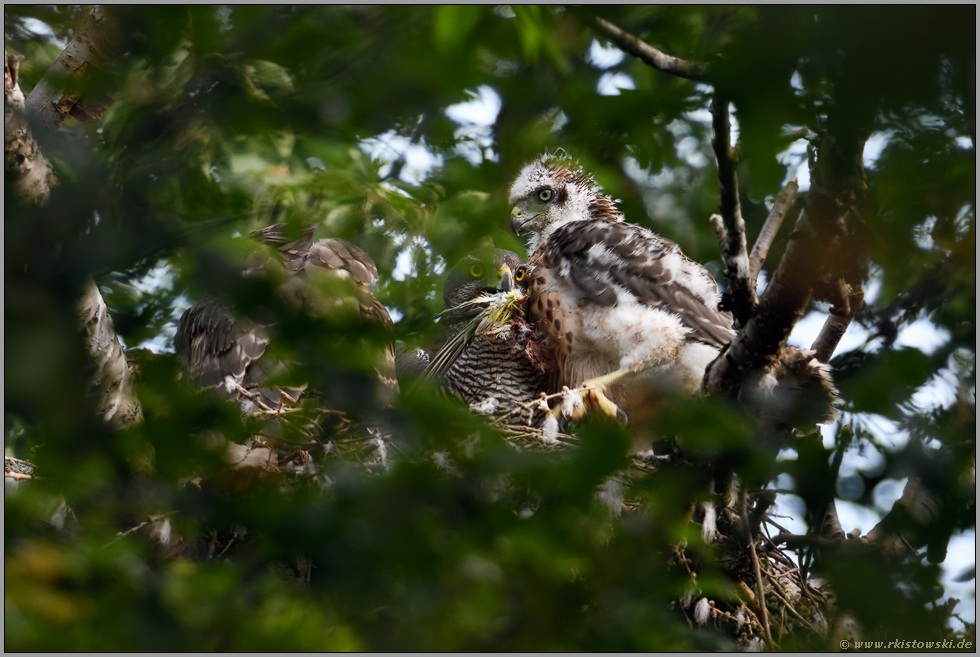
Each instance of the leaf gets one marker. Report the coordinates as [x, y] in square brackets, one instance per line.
[967, 574]
[887, 381]
[530, 28]
[269, 74]
[452, 24]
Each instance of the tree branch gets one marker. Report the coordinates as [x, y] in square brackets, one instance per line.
[757, 345]
[740, 296]
[112, 379]
[911, 522]
[773, 223]
[836, 324]
[25, 166]
[61, 91]
[750, 537]
[645, 52]
[838, 184]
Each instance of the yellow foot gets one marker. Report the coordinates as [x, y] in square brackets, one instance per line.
[590, 396]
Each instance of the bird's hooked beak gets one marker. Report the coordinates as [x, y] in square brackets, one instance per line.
[506, 283]
[519, 222]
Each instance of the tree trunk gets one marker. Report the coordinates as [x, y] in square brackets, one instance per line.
[112, 378]
[61, 91]
[24, 164]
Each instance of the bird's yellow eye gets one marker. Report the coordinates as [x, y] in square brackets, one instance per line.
[476, 271]
[545, 195]
[520, 274]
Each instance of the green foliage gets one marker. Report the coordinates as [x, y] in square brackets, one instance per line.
[227, 119]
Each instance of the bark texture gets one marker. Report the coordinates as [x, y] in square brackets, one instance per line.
[773, 223]
[62, 90]
[112, 377]
[740, 296]
[837, 187]
[24, 165]
[647, 53]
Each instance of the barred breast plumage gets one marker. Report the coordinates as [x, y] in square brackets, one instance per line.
[492, 358]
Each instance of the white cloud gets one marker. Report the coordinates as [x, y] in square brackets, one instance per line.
[862, 457]
[702, 116]
[689, 150]
[405, 260]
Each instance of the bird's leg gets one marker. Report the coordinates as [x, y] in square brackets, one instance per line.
[591, 395]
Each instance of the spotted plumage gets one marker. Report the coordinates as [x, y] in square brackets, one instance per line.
[609, 296]
[492, 358]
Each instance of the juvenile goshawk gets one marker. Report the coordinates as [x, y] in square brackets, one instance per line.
[220, 349]
[621, 307]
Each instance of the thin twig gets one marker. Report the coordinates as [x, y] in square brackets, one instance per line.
[719, 225]
[647, 53]
[150, 521]
[756, 568]
[228, 545]
[812, 245]
[836, 325]
[794, 541]
[830, 526]
[740, 296]
[773, 222]
[795, 135]
[755, 619]
[788, 605]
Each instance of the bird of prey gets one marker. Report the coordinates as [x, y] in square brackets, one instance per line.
[219, 349]
[492, 359]
[623, 310]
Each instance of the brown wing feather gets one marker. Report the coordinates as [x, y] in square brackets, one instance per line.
[555, 322]
[637, 266]
[340, 255]
[213, 344]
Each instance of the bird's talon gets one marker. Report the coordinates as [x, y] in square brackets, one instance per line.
[579, 402]
[621, 414]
